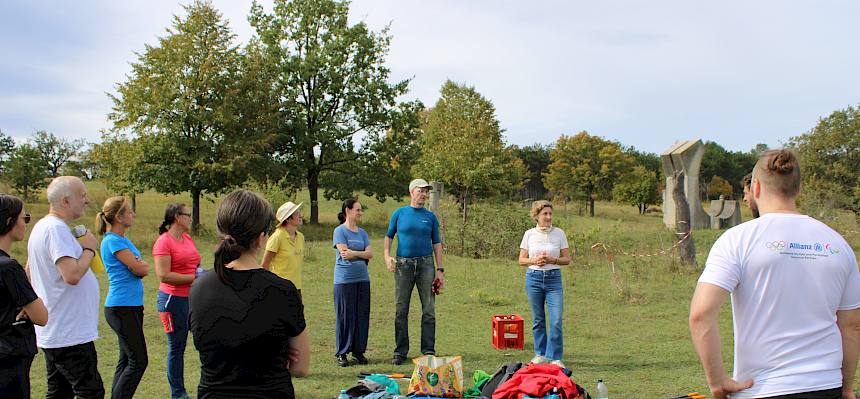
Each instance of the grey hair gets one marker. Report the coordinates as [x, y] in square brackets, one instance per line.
[61, 187]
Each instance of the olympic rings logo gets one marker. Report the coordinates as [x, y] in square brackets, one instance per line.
[775, 245]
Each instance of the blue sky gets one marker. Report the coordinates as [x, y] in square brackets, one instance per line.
[642, 73]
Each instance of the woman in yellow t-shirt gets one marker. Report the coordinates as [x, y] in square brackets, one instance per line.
[285, 249]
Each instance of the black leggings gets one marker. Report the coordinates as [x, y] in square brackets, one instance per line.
[127, 322]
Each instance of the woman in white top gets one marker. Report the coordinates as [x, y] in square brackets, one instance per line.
[543, 250]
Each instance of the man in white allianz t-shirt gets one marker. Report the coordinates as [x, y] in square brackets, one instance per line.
[795, 291]
[59, 267]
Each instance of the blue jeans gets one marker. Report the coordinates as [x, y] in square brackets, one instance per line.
[414, 272]
[177, 306]
[544, 287]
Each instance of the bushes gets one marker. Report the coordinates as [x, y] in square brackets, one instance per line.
[491, 231]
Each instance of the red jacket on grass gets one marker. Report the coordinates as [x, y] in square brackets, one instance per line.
[537, 380]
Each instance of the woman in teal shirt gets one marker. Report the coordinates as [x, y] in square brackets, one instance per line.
[124, 302]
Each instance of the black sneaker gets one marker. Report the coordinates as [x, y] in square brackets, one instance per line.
[342, 361]
[398, 359]
[359, 358]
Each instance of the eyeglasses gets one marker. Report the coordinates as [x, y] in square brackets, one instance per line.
[184, 214]
[26, 218]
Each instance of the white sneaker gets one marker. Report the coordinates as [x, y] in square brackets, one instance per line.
[538, 359]
[558, 363]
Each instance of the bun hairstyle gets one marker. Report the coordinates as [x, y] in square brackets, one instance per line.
[10, 208]
[170, 214]
[242, 217]
[113, 207]
[348, 204]
[779, 171]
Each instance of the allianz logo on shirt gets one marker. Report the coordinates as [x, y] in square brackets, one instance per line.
[817, 247]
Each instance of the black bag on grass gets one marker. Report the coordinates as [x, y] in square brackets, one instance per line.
[501, 375]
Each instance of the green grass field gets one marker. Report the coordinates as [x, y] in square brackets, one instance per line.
[630, 328]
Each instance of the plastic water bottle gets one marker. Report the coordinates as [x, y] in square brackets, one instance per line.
[343, 394]
[554, 394]
[602, 391]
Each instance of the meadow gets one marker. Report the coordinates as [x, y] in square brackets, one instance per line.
[625, 319]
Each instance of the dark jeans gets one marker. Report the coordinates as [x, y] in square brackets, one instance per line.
[73, 372]
[835, 393]
[414, 272]
[15, 377]
[127, 322]
[177, 306]
[352, 321]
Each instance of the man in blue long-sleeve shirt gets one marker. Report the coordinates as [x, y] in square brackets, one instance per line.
[417, 231]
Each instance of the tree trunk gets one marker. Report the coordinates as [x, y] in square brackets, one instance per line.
[591, 205]
[465, 205]
[195, 209]
[687, 249]
[313, 191]
[133, 201]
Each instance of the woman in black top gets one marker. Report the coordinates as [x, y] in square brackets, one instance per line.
[20, 308]
[248, 324]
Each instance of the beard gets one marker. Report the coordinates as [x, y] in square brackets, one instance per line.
[754, 208]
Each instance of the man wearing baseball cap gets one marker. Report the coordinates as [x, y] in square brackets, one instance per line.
[418, 243]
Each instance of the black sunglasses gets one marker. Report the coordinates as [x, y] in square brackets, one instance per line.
[26, 218]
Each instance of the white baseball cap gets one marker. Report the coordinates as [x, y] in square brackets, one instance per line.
[421, 183]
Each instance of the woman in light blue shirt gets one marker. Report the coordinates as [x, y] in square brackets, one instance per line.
[351, 285]
[124, 302]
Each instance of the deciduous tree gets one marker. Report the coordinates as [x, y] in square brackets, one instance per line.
[830, 161]
[638, 187]
[56, 151]
[185, 100]
[25, 170]
[462, 147]
[585, 166]
[332, 84]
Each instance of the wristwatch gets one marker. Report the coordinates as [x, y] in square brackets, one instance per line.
[440, 269]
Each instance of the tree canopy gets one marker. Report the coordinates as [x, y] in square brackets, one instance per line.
[586, 167]
[332, 83]
[184, 100]
[830, 161]
[462, 147]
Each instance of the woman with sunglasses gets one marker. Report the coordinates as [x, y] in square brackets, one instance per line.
[20, 308]
[176, 264]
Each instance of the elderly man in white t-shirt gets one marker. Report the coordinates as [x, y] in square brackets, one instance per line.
[59, 267]
[795, 292]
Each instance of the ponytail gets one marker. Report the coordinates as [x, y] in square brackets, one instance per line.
[241, 218]
[227, 251]
[163, 228]
[347, 204]
[113, 207]
[171, 212]
[101, 223]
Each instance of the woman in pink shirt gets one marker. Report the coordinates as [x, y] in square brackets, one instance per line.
[176, 263]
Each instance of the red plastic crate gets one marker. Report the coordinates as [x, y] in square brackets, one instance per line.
[508, 331]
